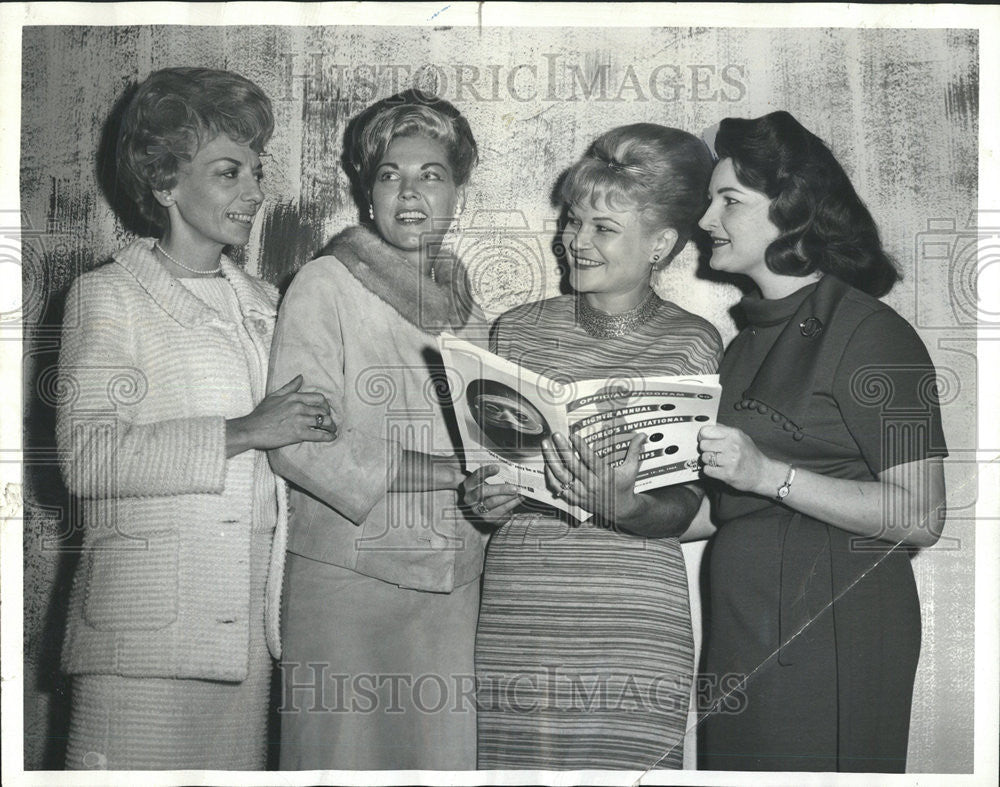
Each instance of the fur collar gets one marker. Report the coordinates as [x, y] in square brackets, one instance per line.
[432, 307]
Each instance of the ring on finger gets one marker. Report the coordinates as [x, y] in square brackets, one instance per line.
[481, 508]
[712, 459]
[319, 420]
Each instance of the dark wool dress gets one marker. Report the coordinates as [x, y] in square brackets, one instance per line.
[823, 624]
[584, 653]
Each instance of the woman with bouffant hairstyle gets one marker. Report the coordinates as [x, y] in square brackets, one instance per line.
[823, 224]
[647, 165]
[584, 654]
[172, 115]
[827, 463]
[409, 114]
[163, 432]
[382, 588]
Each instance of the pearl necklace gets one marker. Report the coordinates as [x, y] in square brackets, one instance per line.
[180, 264]
[601, 325]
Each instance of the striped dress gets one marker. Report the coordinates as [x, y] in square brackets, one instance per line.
[584, 652]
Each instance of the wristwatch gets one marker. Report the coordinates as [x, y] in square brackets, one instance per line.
[786, 487]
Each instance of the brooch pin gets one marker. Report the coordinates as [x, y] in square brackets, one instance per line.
[810, 327]
[260, 326]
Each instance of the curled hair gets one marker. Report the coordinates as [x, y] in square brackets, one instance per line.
[172, 114]
[823, 224]
[408, 114]
[662, 172]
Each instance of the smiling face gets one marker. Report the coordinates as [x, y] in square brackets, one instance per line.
[611, 254]
[414, 194]
[740, 226]
[216, 196]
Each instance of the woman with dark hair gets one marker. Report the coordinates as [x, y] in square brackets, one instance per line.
[382, 587]
[162, 429]
[828, 461]
[584, 652]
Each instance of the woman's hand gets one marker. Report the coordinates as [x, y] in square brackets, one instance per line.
[729, 455]
[583, 479]
[905, 505]
[493, 503]
[283, 417]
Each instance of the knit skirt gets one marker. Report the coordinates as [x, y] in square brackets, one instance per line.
[120, 723]
[584, 653]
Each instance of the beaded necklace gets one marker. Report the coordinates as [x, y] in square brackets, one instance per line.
[601, 325]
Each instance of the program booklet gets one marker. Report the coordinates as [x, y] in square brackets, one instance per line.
[505, 411]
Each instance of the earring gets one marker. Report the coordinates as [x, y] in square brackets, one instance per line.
[371, 211]
[656, 259]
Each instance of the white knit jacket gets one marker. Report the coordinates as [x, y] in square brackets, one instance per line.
[147, 376]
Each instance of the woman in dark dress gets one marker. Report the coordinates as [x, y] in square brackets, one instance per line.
[828, 456]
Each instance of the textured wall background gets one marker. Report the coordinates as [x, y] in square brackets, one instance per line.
[898, 107]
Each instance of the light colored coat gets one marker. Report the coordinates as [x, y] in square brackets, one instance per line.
[148, 375]
[359, 325]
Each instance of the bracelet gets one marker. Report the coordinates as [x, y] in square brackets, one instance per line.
[786, 487]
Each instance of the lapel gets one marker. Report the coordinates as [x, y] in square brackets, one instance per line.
[431, 307]
[787, 378]
[258, 304]
[169, 294]
[257, 299]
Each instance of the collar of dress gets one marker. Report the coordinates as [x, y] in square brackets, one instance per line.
[432, 306]
[787, 377]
